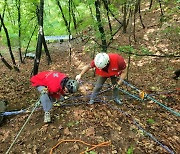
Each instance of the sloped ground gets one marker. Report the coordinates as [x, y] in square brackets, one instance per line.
[104, 121]
[96, 123]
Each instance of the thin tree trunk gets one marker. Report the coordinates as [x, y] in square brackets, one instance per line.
[136, 9]
[101, 29]
[124, 17]
[115, 17]
[18, 5]
[69, 31]
[66, 23]
[107, 13]
[5, 62]
[63, 16]
[46, 50]
[73, 16]
[129, 62]
[130, 27]
[29, 43]
[9, 45]
[160, 5]
[43, 40]
[139, 10]
[40, 38]
[150, 5]
[3, 13]
[134, 27]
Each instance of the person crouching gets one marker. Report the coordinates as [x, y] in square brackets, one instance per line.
[52, 85]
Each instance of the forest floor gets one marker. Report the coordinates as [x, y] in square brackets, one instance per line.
[134, 127]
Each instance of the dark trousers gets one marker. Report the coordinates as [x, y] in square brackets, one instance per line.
[99, 83]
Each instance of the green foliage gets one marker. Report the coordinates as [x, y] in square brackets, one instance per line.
[150, 121]
[72, 123]
[129, 49]
[130, 150]
[126, 49]
[172, 33]
[54, 23]
[171, 30]
[145, 50]
[91, 152]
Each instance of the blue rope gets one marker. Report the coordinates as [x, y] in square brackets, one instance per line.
[12, 113]
[164, 106]
[154, 100]
[139, 127]
[134, 96]
[100, 100]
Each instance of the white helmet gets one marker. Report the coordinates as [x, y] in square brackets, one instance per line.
[101, 60]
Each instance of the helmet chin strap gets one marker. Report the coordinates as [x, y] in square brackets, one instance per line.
[106, 67]
[64, 81]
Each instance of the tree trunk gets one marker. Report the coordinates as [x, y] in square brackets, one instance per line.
[9, 44]
[150, 5]
[141, 16]
[5, 62]
[160, 5]
[46, 51]
[3, 13]
[18, 5]
[29, 42]
[124, 17]
[73, 16]
[40, 38]
[63, 16]
[101, 29]
[69, 31]
[107, 12]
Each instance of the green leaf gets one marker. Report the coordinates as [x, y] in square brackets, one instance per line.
[150, 121]
[130, 150]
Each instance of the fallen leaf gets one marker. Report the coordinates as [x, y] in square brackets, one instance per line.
[90, 131]
[66, 131]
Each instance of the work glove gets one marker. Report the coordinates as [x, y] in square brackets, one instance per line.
[78, 77]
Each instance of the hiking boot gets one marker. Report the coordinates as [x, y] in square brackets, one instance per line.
[118, 101]
[91, 102]
[47, 117]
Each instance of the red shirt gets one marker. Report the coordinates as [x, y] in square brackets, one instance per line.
[116, 65]
[51, 80]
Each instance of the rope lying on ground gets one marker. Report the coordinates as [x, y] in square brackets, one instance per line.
[35, 106]
[153, 99]
[134, 121]
[139, 127]
[109, 87]
[93, 146]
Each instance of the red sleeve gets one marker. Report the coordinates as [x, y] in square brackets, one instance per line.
[121, 63]
[92, 64]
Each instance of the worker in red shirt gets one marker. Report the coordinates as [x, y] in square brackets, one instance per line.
[106, 66]
[52, 85]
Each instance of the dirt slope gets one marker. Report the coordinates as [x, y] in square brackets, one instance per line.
[104, 121]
